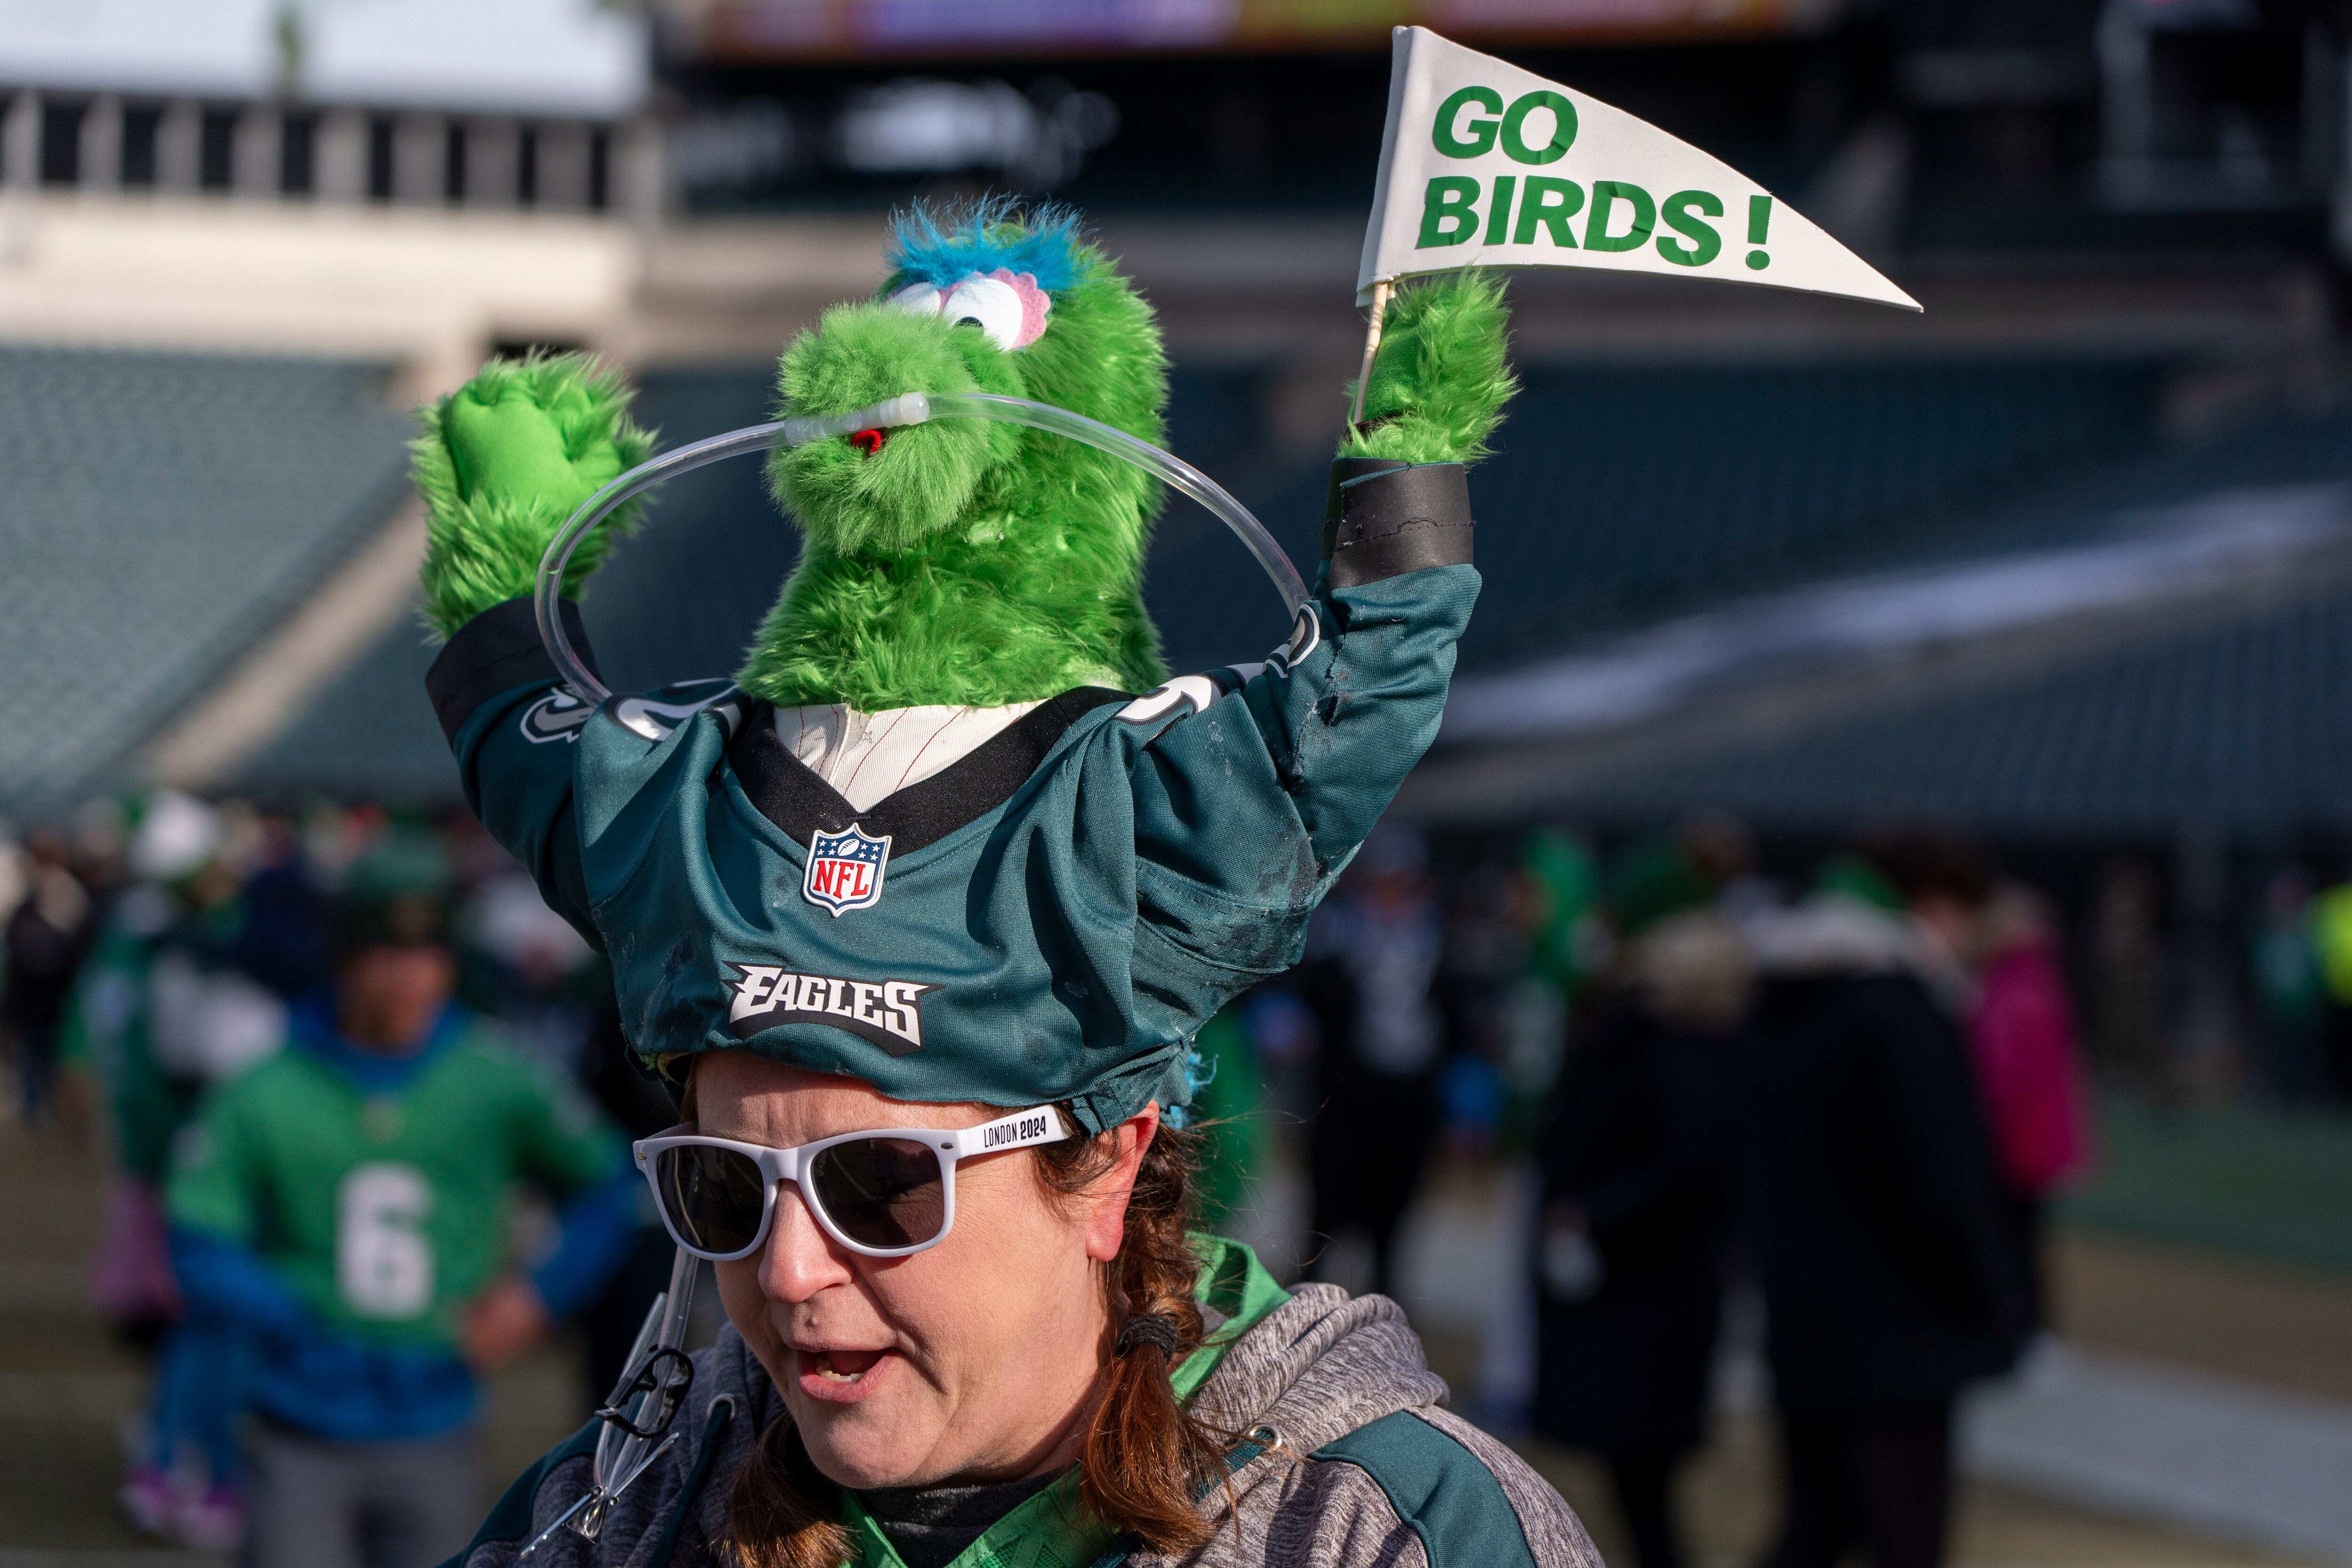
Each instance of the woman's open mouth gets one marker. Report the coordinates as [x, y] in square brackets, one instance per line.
[840, 1376]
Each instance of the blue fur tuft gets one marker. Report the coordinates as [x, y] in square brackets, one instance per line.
[939, 248]
[1199, 1074]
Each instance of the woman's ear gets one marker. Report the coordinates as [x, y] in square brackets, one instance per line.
[1106, 1219]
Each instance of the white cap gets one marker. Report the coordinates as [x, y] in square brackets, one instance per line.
[178, 834]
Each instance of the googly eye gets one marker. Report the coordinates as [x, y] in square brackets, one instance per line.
[991, 304]
[917, 300]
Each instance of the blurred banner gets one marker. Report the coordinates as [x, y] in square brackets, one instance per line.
[1483, 164]
[783, 29]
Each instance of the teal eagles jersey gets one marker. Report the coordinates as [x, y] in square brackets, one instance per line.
[1051, 918]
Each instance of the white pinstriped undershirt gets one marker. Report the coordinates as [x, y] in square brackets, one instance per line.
[869, 756]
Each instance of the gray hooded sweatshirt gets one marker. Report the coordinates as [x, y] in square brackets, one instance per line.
[1351, 1462]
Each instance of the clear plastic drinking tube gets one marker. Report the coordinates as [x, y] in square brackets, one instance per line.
[909, 408]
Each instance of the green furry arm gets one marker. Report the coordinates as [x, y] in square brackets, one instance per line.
[501, 462]
[1440, 381]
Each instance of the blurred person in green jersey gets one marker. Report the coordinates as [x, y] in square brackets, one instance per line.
[338, 1219]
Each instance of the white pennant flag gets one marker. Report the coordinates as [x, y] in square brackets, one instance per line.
[1483, 164]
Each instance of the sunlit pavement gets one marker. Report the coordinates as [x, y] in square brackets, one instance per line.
[2154, 1439]
[2185, 1374]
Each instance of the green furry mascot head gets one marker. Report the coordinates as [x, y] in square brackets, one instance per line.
[956, 561]
[959, 534]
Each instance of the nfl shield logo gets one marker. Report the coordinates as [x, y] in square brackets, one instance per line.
[845, 870]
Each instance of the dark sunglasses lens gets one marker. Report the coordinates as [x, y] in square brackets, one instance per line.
[881, 1192]
[712, 1197]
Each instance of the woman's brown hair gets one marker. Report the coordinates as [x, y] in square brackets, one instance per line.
[1146, 1461]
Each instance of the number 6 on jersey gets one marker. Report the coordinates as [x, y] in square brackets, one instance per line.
[383, 1264]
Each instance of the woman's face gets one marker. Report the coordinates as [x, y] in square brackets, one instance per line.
[975, 1359]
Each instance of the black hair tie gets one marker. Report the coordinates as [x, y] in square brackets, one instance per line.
[1149, 1328]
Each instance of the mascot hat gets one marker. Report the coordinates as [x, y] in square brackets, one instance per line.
[1081, 861]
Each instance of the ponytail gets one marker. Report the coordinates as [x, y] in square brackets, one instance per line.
[1147, 1462]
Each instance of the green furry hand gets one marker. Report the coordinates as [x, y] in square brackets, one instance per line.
[1440, 380]
[501, 462]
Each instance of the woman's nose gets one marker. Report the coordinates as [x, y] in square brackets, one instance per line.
[800, 1260]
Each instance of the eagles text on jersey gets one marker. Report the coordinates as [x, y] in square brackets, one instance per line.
[888, 1011]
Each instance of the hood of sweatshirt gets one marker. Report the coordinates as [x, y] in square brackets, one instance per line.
[1316, 1368]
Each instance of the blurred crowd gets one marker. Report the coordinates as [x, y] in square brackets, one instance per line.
[1849, 1104]
[321, 1050]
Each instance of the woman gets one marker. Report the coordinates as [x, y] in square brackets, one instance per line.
[986, 961]
[1058, 1371]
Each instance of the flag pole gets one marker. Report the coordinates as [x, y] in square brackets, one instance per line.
[1371, 345]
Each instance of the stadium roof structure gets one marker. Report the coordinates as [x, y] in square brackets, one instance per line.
[160, 512]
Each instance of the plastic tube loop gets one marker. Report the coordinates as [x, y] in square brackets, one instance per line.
[909, 409]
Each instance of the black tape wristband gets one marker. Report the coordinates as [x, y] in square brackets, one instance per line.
[497, 651]
[1383, 519]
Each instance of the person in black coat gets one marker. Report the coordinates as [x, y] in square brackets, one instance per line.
[1875, 1213]
[1634, 1184]
[1371, 979]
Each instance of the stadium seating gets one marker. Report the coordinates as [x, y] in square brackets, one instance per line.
[2240, 729]
[1618, 494]
[159, 512]
[1621, 493]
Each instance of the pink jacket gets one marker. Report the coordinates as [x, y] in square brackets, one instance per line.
[2023, 1034]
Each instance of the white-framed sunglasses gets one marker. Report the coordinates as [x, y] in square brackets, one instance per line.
[884, 1193]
